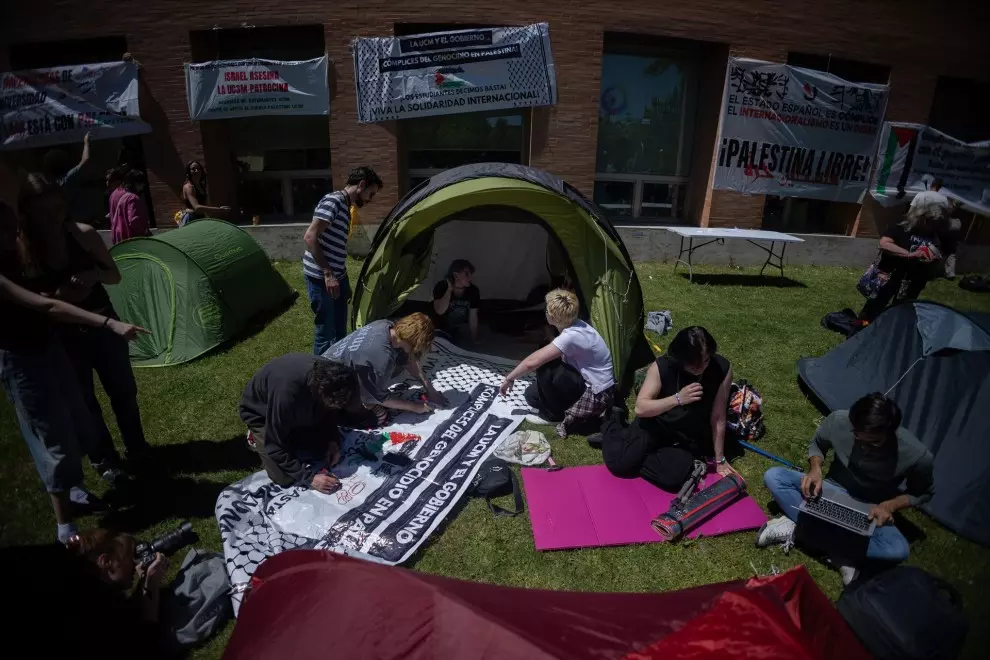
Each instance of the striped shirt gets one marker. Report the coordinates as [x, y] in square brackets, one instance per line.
[334, 210]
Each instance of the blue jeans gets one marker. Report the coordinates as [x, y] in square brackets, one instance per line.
[887, 542]
[99, 350]
[330, 316]
[53, 418]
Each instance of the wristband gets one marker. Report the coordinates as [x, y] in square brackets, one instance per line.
[105, 321]
[677, 395]
[720, 461]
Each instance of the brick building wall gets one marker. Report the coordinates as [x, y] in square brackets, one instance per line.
[916, 42]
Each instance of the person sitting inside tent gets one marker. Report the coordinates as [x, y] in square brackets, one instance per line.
[455, 303]
[290, 407]
[680, 414]
[873, 457]
[580, 349]
[377, 352]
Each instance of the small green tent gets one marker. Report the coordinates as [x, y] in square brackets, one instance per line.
[193, 288]
[512, 222]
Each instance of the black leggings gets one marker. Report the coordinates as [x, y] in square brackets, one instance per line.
[633, 452]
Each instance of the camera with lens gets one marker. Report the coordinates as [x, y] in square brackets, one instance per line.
[167, 544]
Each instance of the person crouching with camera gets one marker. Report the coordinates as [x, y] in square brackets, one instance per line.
[89, 587]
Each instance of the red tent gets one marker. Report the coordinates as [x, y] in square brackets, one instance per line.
[316, 604]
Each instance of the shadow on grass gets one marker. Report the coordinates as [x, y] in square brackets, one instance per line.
[203, 456]
[728, 279]
[163, 490]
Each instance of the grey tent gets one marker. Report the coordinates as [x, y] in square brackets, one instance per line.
[935, 363]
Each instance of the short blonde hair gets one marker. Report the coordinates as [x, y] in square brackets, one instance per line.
[417, 330]
[562, 307]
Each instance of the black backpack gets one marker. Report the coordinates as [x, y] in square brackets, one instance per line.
[495, 479]
[906, 613]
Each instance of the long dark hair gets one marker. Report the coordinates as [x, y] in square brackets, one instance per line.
[201, 192]
[690, 346]
[31, 232]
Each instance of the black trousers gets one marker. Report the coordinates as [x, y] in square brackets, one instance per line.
[558, 386]
[635, 452]
[916, 279]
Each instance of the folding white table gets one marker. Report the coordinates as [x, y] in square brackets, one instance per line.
[719, 234]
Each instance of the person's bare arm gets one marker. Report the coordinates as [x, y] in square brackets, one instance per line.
[311, 237]
[106, 271]
[202, 210]
[62, 311]
[649, 405]
[408, 406]
[531, 363]
[441, 304]
[719, 409]
[85, 152]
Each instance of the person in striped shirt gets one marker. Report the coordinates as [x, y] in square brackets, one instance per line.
[325, 259]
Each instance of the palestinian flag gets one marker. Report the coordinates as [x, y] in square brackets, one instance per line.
[894, 157]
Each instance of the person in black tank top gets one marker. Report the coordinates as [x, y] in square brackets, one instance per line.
[682, 404]
[70, 262]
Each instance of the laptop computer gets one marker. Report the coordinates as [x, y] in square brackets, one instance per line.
[839, 508]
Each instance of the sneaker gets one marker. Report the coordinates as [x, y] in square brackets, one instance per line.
[561, 430]
[779, 531]
[115, 477]
[595, 440]
[849, 574]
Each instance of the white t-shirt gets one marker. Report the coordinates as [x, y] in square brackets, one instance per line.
[585, 350]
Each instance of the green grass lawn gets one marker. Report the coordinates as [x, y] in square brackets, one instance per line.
[190, 415]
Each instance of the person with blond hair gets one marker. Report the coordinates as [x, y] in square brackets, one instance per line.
[580, 349]
[378, 351]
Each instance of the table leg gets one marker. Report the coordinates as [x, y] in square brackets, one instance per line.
[689, 251]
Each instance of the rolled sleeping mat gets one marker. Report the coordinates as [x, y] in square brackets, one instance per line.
[700, 506]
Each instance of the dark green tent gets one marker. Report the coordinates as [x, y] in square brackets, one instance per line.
[193, 288]
[512, 222]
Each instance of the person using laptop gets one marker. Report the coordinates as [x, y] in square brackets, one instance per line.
[874, 457]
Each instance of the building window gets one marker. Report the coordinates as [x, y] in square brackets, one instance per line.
[435, 144]
[283, 166]
[646, 113]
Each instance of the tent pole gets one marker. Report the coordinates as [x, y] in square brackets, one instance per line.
[761, 452]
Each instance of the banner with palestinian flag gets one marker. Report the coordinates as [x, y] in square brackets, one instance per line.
[443, 73]
[913, 157]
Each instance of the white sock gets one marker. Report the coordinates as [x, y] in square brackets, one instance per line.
[66, 531]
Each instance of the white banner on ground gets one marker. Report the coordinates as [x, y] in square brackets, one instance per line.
[388, 507]
[911, 156]
[450, 72]
[226, 89]
[43, 107]
[797, 132]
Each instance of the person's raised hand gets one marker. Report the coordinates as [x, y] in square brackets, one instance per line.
[325, 483]
[506, 385]
[811, 484]
[691, 393]
[86, 138]
[155, 573]
[881, 514]
[126, 330]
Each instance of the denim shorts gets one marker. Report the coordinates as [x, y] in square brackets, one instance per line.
[53, 417]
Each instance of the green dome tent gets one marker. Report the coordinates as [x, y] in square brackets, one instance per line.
[511, 222]
[193, 288]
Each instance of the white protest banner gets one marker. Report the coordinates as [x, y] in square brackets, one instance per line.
[911, 156]
[796, 132]
[227, 89]
[43, 107]
[450, 72]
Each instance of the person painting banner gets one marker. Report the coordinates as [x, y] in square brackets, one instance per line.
[796, 132]
[911, 156]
